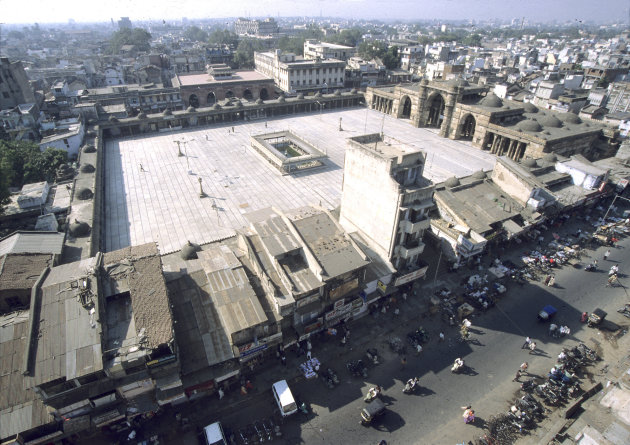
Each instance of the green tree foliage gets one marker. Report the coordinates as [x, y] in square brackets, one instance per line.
[472, 40]
[368, 50]
[293, 45]
[196, 34]
[223, 37]
[244, 55]
[391, 58]
[23, 162]
[348, 37]
[136, 36]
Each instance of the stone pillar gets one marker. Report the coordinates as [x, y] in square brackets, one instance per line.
[419, 119]
[448, 115]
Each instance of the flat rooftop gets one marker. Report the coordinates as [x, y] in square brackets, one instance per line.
[161, 203]
[205, 78]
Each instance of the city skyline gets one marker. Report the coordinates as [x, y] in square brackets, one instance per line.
[40, 11]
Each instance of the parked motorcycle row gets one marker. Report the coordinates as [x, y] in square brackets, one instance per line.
[255, 433]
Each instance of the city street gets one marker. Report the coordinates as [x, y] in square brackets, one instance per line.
[433, 414]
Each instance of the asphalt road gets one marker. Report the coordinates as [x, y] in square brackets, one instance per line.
[433, 414]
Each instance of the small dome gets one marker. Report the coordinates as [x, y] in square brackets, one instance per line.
[529, 125]
[89, 149]
[167, 112]
[281, 99]
[85, 193]
[238, 104]
[113, 119]
[550, 121]
[530, 163]
[189, 251]
[318, 94]
[216, 107]
[550, 157]
[570, 118]
[141, 116]
[337, 93]
[87, 168]
[479, 174]
[300, 96]
[451, 182]
[259, 101]
[491, 101]
[191, 109]
[78, 229]
[353, 91]
[530, 108]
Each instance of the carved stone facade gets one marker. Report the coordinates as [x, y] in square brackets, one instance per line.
[505, 128]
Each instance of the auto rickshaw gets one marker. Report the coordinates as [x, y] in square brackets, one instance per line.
[547, 313]
[596, 317]
[372, 410]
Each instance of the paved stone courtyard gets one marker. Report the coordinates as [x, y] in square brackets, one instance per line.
[152, 194]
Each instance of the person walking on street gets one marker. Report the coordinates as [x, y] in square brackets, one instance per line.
[418, 349]
[552, 280]
[524, 367]
[607, 254]
[518, 375]
[403, 362]
[441, 336]
[532, 347]
[528, 341]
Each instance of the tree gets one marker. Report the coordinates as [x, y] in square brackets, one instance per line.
[292, 45]
[136, 36]
[196, 34]
[244, 55]
[391, 59]
[348, 37]
[472, 40]
[223, 37]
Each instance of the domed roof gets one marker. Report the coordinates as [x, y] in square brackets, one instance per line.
[550, 157]
[530, 108]
[529, 125]
[550, 121]
[479, 174]
[89, 149]
[79, 228]
[87, 168]
[337, 93]
[191, 109]
[238, 104]
[300, 96]
[141, 116]
[259, 101]
[318, 94]
[491, 101]
[451, 182]
[85, 193]
[353, 91]
[216, 107]
[281, 99]
[530, 163]
[189, 251]
[167, 112]
[570, 118]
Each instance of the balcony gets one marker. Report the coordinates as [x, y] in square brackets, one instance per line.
[409, 249]
[412, 227]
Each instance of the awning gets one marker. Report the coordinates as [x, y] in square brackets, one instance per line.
[512, 228]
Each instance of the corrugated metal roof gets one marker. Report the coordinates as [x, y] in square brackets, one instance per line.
[32, 242]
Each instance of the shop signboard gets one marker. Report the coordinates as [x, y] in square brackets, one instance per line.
[411, 276]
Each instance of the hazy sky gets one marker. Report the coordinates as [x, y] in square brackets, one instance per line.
[44, 11]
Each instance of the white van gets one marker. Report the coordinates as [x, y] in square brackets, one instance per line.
[284, 398]
[213, 434]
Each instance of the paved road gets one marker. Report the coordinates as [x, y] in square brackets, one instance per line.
[433, 416]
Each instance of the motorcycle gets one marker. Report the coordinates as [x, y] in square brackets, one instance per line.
[372, 354]
[625, 310]
[458, 365]
[357, 368]
[372, 394]
[410, 386]
[333, 375]
[590, 268]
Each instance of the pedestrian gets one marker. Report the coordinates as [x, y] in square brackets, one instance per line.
[470, 416]
[418, 349]
[243, 390]
[232, 129]
[283, 359]
[528, 341]
[403, 362]
[552, 280]
[221, 393]
[141, 168]
[518, 375]
[308, 355]
[265, 124]
[343, 340]
[532, 347]
[607, 254]
[595, 264]
[309, 346]
[524, 367]
[547, 279]
[441, 336]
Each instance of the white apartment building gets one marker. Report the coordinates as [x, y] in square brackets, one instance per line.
[294, 74]
[314, 49]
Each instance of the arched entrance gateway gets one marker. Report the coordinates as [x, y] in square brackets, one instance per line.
[436, 111]
[211, 99]
[406, 108]
[247, 95]
[468, 128]
[264, 95]
[229, 94]
[193, 101]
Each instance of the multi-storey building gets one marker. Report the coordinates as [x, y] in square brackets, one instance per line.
[386, 199]
[14, 86]
[255, 27]
[294, 74]
[150, 98]
[314, 49]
